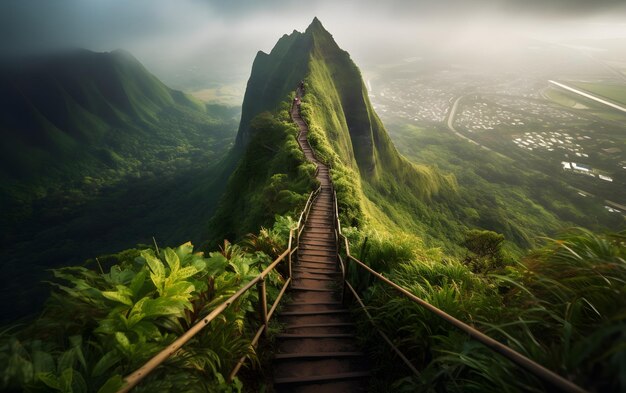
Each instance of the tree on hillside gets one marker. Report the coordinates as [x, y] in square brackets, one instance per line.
[485, 249]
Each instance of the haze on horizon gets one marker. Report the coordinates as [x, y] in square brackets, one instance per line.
[194, 44]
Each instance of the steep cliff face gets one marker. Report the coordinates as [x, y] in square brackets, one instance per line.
[334, 87]
[97, 155]
[56, 111]
[345, 131]
[273, 77]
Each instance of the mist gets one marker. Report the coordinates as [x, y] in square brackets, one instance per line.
[194, 44]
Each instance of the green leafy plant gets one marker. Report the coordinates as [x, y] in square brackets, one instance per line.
[99, 326]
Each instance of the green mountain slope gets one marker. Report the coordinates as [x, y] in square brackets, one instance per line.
[99, 155]
[273, 76]
[341, 117]
[562, 305]
[376, 184]
[52, 107]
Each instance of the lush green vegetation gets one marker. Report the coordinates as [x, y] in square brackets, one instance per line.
[471, 273]
[611, 91]
[273, 77]
[107, 318]
[93, 154]
[454, 241]
[572, 100]
[272, 177]
[562, 305]
[375, 184]
[496, 193]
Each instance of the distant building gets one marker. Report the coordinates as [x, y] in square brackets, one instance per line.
[581, 167]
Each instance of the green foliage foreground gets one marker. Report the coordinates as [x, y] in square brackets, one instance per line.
[562, 306]
[100, 326]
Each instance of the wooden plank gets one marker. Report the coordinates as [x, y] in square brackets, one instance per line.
[317, 312]
[317, 355]
[294, 288]
[313, 335]
[321, 378]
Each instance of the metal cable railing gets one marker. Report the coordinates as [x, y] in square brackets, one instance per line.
[531, 366]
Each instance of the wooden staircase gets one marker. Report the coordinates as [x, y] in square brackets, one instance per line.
[317, 351]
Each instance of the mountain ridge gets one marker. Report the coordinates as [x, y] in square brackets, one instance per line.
[345, 129]
[52, 106]
[98, 155]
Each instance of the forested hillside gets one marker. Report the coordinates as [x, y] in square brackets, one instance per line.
[98, 155]
[165, 167]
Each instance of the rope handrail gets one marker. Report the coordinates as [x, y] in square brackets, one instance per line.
[533, 367]
[138, 375]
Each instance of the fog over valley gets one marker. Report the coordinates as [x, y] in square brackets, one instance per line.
[312, 196]
[195, 44]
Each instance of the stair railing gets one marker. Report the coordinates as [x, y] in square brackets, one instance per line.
[531, 366]
[264, 314]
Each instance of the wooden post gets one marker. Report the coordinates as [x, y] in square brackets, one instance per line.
[263, 304]
[345, 277]
[289, 266]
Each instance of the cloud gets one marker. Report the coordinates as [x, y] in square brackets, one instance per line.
[184, 41]
[28, 25]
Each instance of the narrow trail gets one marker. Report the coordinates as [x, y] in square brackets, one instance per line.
[317, 350]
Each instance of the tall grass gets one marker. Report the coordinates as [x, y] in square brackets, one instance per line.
[563, 306]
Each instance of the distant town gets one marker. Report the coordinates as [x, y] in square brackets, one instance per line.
[507, 115]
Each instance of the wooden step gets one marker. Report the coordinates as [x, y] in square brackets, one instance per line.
[319, 240]
[310, 245]
[317, 344]
[318, 252]
[316, 271]
[317, 355]
[318, 245]
[319, 229]
[292, 336]
[322, 378]
[320, 278]
[312, 308]
[313, 233]
[301, 296]
[326, 214]
[310, 257]
[312, 239]
[314, 221]
[313, 283]
[322, 209]
[320, 366]
[325, 303]
[323, 312]
[349, 385]
[295, 288]
[316, 266]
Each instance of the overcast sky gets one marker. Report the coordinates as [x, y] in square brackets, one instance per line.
[221, 37]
